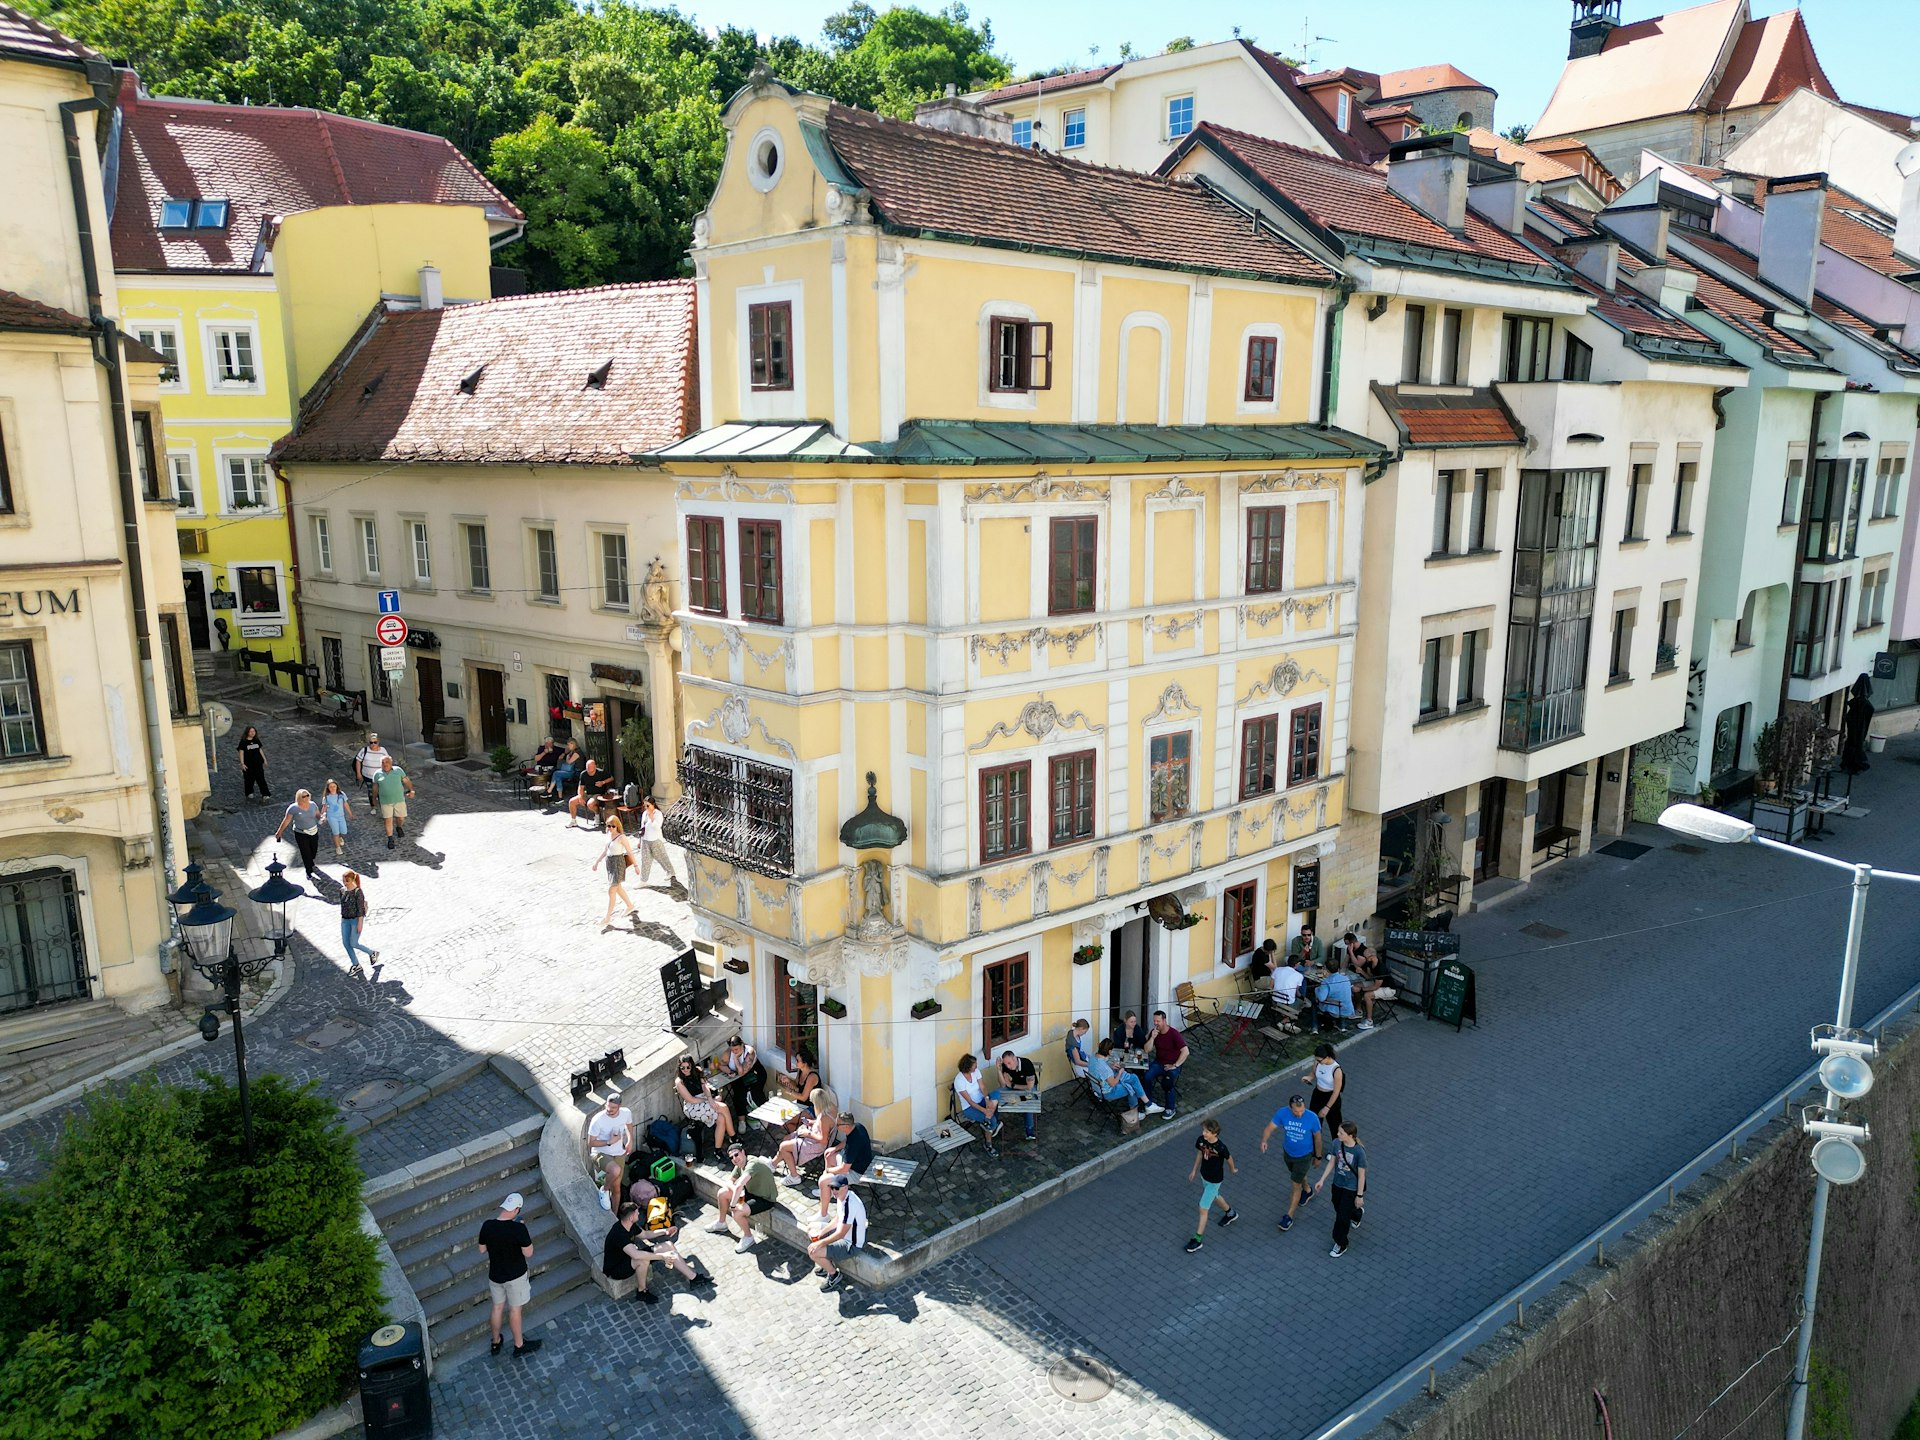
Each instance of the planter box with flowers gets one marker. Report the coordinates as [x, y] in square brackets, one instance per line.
[1087, 954]
[923, 1008]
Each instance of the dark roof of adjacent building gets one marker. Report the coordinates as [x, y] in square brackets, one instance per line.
[959, 187]
[574, 377]
[1361, 142]
[24, 38]
[266, 163]
[1354, 204]
[1045, 84]
[1013, 442]
[1428, 421]
[18, 312]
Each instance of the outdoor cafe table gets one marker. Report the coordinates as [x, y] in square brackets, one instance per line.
[1019, 1102]
[1132, 1059]
[776, 1113]
[1246, 1013]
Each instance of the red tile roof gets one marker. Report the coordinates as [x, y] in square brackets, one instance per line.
[1355, 199]
[1735, 306]
[1772, 58]
[1633, 312]
[506, 382]
[28, 38]
[266, 163]
[1425, 80]
[1479, 426]
[1025, 89]
[17, 312]
[925, 181]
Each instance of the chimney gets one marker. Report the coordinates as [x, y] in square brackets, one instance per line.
[1642, 226]
[1597, 258]
[432, 297]
[1790, 234]
[1500, 199]
[1430, 173]
[1666, 285]
[1906, 227]
[962, 117]
[1593, 22]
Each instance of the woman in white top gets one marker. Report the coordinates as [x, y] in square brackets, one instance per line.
[653, 849]
[1329, 1082]
[975, 1103]
[616, 855]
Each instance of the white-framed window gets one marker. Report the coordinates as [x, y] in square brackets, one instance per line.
[233, 358]
[1262, 360]
[258, 591]
[1888, 476]
[1343, 111]
[164, 337]
[421, 551]
[473, 536]
[1023, 134]
[772, 322]
[323, 546]
[1179, 116]
[613, 569]
[245, 486]
[186, 484]
[1073, 129]
[369, 531]
[1016, 355]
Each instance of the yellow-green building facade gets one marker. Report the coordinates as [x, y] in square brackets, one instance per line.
[1013, 496]
[200, 195]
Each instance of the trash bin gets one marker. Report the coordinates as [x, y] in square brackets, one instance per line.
[394, 1401]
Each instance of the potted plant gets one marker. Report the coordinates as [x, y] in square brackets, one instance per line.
[836, 1008]
[501, 759]
[923, 1008]
[1087, 954]
[1784, 752]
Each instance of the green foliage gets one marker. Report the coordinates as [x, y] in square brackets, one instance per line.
[1829, 1401]
[501, 758]
[1910, 1427]
[601, 122]
[1179, 43]
[156, 1283]
[636, 748]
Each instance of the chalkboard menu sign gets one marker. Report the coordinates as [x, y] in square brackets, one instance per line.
[1306, 887]
[686, 992]
[1453, 997]
[1422, 942]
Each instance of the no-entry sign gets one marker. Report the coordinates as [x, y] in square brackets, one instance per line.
[390, 630]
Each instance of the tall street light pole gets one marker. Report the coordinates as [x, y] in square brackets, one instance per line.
[1843, 1069]
[208, 928]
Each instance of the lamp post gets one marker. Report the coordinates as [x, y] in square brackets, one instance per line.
[208, 928]
[1843, 1069]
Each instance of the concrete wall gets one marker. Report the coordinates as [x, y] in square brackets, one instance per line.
[1705, 1287]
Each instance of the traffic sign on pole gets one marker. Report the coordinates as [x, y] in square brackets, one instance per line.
[389, 602]
[393, 657]
[390, 630]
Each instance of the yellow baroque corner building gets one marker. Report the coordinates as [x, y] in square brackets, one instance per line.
[100, 755]
[1016, 499]
[214, 209]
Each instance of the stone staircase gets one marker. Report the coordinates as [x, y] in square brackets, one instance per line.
[432, 1225]
[43, 1050]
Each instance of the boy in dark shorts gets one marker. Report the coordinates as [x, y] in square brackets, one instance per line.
[1300, 1140]
[1211, 1161]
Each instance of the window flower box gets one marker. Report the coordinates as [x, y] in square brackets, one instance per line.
[836, 1008]
[922, 1009]
[1088, 954]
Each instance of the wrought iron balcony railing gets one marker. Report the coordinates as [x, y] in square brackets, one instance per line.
[735, 810]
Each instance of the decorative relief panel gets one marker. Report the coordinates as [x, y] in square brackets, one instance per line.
[1039, 719]
[1285, 678]
[1042, 487]
[1291, 480]
[736, 724]
[1174, 705]
[1305, 608]
[729, 486]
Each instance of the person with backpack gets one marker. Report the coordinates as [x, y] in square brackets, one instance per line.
[632, 1249]
[842, 1231]
[1329, 1083]
[366, 765]
[1347, 1164]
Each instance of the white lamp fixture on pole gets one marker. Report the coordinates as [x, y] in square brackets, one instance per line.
[1844, 1071]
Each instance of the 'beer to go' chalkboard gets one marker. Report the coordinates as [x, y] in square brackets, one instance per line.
[686, 992]
[1453, 997]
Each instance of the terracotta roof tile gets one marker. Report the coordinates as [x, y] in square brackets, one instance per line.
[1363, 142]
[397, 394]
[1772, 58]
[266, 163]
[1025, 89]
[1457, 427]
[931, 181]
[1425, 80]
[24, 36]
[1355, 199]
[17, 312]
[1735, 306]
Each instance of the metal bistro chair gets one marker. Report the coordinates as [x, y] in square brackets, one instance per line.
[956, 1115]
[1199, 1022]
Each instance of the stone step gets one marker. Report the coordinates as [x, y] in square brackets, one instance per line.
[458, 1259]
[22, 1035]
[554, 1280]
[480, 1174]
[425, 1239]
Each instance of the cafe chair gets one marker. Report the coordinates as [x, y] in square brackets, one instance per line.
[956, 1116]
[1199, 1013]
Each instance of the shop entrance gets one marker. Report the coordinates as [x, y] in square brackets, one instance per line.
[1486, 845]
[1130, 966]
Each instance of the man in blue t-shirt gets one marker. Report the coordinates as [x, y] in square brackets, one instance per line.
[1300, 1142]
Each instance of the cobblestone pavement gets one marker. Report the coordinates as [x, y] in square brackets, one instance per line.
[487, 920]
[474, 1108]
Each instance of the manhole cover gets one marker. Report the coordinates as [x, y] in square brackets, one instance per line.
[1686, 849]
[372, 1094]
[1625, 849]
[1081, 1378]
[330, 1034]
[1540, 930]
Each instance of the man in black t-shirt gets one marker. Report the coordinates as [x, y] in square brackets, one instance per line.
[628, 1248]
[1017, 1074]
[1211, 1161]
[509, 1246]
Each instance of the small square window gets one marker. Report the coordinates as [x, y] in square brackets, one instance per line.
[1073, 129]
[259, 587]
[1019, 355]
[176, 214]
[1179, 116]
[1023, 134]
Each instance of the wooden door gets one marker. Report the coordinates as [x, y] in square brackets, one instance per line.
[433, 694]
[195, 582]
[1493, 809]
[490, 688]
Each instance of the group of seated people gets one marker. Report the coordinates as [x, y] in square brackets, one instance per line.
[562, 772]
[1354, 976]
[1103, 1067]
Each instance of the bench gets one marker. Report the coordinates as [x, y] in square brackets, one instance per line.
[1557, 843]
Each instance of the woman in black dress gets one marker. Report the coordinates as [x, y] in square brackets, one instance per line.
[253, 764]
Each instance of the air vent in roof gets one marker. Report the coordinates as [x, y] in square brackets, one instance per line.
[597, 379]
[367, 391]
[472, 382]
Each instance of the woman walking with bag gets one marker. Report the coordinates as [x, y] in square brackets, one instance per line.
[1347, 1164]
[333, 804]
[304, 816]
[616, 855]
[253, 764]
[1329, 1083]
[353, 916]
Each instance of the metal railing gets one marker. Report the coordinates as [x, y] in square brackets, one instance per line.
[1423, 1373]
[734, 810]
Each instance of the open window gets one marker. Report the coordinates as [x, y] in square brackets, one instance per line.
[1019, 355]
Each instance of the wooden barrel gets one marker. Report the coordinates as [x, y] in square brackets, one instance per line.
[450, 738]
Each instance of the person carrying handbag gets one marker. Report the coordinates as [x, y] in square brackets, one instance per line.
[353, 919]
[1347, 1164]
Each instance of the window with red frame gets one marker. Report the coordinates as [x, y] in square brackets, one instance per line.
[1236, 922]
[1263, 361]
[760, 575]
[1071, 563]
[1260, 757]
[706, 564]
[1266, 537]
[1303, 746]
[1003, 991]
[770, 346]
[1070, 777]
[1004, 810]
[796, 1012]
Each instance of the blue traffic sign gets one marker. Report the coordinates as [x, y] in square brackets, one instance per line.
[389, 602]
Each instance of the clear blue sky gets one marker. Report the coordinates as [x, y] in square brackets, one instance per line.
[1516, 46]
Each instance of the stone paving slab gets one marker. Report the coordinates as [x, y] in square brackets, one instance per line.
[477, 1107]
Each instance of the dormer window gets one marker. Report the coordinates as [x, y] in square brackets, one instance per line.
[1342, 110]
[597, 379]
[193, 214]
[1179, 116]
